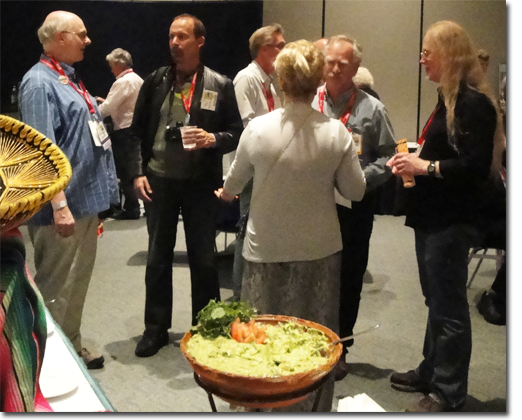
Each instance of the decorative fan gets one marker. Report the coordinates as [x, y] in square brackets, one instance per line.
[32, 171]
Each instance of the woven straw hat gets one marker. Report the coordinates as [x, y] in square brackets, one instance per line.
[32, 171]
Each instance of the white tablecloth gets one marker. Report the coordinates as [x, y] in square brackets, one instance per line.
[62, 371]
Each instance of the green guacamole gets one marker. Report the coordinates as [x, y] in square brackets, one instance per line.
[289, 348]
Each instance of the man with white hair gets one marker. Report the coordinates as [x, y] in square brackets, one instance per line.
[257, 92]
[64, 233]
[367, 120]
[119, 105]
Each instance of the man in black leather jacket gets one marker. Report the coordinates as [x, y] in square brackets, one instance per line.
[170, 178]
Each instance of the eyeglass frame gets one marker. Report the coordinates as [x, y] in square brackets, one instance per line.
[425, 54]
[78, 34]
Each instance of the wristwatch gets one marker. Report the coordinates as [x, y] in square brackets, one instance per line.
[432, 169]
[59, 205]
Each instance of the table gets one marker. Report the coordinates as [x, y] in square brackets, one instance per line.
[61, 362]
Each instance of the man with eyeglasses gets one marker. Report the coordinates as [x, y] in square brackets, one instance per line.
[64, 233]
[367, 120]
[257, 92]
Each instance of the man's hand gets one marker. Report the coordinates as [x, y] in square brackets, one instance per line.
[142, 188]
[199, 137]
[223, 195]
[64, 222]
[100, 100]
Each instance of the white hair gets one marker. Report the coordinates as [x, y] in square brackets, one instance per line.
[58, 22]
[363, 78]
[120, 56]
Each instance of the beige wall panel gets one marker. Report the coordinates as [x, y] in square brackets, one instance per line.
[301, 19]
[389, 32]
[485, 20]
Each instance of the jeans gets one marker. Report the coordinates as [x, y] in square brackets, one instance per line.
[443, 270]
[198, 206]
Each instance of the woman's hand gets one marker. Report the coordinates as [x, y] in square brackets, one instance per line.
[408, 164]
[223, 195]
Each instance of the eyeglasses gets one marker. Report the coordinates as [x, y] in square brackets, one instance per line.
[82, 35]
[279, 46]
[425, 54]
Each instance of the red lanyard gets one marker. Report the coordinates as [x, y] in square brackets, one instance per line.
[187, 103]
[269, 98]
[345, 116]
[421, 138]
[54, 65]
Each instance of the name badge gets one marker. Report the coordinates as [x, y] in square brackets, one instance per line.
[99, 134]
[358, 141]
[209, 100]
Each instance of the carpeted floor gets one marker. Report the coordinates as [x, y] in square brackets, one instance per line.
[113, 322]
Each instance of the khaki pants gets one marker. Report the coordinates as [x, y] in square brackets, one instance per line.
[63, 272]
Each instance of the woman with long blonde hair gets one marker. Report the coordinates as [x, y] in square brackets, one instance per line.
[446, 211]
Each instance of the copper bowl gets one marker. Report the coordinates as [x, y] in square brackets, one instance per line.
[237, 388]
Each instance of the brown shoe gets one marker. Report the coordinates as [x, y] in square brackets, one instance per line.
[341, 369]
[91, 360]
[429, 404]
[408, 382]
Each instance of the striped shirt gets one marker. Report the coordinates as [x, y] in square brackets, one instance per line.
[60, 113]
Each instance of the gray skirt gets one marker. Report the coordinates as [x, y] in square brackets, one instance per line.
[304, 289]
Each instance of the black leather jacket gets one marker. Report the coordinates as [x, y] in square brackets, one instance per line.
[224, 123]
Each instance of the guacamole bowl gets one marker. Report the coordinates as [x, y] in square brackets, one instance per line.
[270, 391]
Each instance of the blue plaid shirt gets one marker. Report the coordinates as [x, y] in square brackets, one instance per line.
[60, 113]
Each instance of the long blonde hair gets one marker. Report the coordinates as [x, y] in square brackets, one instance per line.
[460, 63]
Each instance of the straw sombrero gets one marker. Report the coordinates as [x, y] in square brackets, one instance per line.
[32, 171]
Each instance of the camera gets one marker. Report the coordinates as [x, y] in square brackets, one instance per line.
[172, 134]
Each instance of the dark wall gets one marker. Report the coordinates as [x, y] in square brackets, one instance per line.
[138, 27]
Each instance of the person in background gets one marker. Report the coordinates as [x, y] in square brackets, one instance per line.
[445, 210]
[363, 80]
[483, 57]
[321, 43]
[64, 233]
[257, 93]
[293, 241]
[366, 118]
[493, 302]
[119, 105]
[169, 178]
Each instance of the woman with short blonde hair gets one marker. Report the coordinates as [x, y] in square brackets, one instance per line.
[297, 157]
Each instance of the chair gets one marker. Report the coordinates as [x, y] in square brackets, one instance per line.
[474, 253]
[227, 221]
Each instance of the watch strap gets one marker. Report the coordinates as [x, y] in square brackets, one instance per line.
[59, 205]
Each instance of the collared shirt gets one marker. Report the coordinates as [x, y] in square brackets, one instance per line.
[121, 99]
[369, 120]
[60, 113]
[251, 100]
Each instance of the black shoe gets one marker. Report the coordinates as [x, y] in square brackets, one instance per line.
[151, 342]
[408, 382]
[127, 215]
[492, 309]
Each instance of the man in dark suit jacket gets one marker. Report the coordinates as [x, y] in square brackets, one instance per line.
[170, 178]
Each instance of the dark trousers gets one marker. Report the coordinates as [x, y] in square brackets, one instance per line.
[120, 141]
[356, 230]
[198, 206]
[443, 271]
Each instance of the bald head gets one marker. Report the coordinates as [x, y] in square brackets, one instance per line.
[321, 43]
[63, 36]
